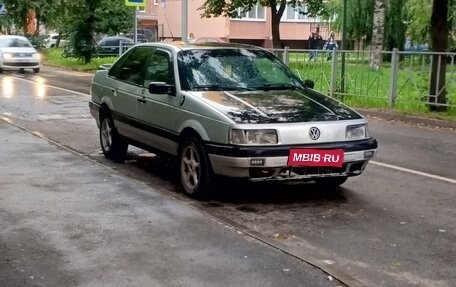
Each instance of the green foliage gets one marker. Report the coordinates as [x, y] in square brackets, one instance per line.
[111, 17]
[360, 15]
[395, 27]
[37, 41]
[53, 57]
[82, 35]
[418, 19]
[17, 11]
[215, 8]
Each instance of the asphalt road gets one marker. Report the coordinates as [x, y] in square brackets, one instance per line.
[392, 226]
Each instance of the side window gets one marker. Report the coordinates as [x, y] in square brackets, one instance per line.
[159, 69]
[109, 43]
[131, 70]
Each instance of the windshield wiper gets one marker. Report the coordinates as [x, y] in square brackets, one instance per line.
[277, 86]
[212, 87]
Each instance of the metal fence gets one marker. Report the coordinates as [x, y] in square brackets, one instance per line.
[403, 81]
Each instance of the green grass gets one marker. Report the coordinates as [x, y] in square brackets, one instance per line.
[53, 57]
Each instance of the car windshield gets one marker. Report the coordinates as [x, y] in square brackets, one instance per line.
[233, 69]
[14, 42]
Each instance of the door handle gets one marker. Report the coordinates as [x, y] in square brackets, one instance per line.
[141, 100]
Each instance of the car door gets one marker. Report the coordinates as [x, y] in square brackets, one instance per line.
[127, 79]
[158, 111]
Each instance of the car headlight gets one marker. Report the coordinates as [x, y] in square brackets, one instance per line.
[36, 56]
[238, 136]
[356, 132]
[7, 56]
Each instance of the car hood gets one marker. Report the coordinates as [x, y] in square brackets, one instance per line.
[277, 106]
[17, 50]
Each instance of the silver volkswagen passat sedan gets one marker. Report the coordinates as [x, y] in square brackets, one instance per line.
[226, 109]
[17, 53]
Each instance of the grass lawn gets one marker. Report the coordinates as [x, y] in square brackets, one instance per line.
[53, 57]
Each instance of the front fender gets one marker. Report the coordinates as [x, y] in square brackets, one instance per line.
[195, 125]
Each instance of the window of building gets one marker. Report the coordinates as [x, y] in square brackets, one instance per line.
[256, 13]
[297, 14]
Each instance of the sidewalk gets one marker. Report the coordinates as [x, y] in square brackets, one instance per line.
[68, 221]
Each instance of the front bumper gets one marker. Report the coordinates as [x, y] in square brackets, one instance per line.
[244, 162]
[14, 65]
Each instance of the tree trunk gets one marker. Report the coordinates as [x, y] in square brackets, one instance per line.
[378, 32]
[276, 15]
[439, 41]
[275, 29]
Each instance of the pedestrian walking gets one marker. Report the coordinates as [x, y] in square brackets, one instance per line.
[314, 44]
[330, 44]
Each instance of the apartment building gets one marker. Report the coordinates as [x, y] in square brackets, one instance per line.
[163, 17]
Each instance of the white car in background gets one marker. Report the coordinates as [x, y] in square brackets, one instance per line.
[17, 53]
[51, 41]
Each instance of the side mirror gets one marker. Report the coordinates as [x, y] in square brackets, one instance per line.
[309, 83]
[161, 88]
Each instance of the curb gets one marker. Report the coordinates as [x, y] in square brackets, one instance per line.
[408, 119]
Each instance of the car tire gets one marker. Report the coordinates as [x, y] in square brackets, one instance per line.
[195, 172]
[112, 144]
[36, 70]
[330, 182]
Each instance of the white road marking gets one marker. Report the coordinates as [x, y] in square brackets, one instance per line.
[55, 87]
[442, 178]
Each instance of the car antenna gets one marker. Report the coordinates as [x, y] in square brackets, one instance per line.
[169, 27]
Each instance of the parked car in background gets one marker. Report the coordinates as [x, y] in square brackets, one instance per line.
[140, 38]
[111, 45]
[17, 53]
[226, 109]
[414, 47]
[51, 41]
[206, 40]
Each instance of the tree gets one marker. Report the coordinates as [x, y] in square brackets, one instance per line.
[440, 31]
[418, 20]
[378, 30]
[215, 8]
[395, 27]
[18, 11]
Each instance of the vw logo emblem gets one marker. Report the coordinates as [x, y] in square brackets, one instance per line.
[314, 133]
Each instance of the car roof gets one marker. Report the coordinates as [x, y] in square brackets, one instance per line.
[115, 37]
[126, 39]
[12, 36]
[181, 45]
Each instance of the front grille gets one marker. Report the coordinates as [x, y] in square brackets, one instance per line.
[290, 173]
[20, 64]
[22, 55]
